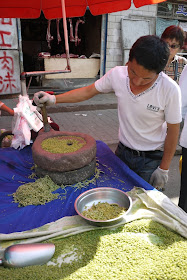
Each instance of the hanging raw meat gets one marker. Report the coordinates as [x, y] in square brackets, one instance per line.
[49, 37]
[58, 30]
[71, 37]
[77, 39]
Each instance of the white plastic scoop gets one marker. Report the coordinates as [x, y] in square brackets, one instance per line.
[21, 255]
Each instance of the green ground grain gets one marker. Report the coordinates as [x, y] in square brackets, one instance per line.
[142, 249]
[36, 193]
[63, 144]
[103, 211]
[41, 191]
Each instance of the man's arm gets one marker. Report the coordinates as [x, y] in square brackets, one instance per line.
[73, 96]
[170, 145]
[77, 95]
[159, 177]
[6, 109]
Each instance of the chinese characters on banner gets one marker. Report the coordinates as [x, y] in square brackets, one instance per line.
[9, 57]
[181, 10]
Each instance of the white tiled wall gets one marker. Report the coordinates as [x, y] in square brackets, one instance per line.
[114, 49]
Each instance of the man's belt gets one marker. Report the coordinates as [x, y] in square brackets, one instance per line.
[157, 154]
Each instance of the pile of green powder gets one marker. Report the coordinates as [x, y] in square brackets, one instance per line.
[103, 211]
[142, 249]
[41, 191]
[36, 193]
[63, 144]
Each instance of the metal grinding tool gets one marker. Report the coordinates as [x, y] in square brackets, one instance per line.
[47, 126]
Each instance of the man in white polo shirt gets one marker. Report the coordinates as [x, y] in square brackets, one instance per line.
[149, 111]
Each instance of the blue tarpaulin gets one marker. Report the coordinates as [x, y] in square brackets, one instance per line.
[15, 169]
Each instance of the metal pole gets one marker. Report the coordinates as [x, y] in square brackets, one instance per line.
[23, 80]
[104, 27]
[23, 86]
[65, 34]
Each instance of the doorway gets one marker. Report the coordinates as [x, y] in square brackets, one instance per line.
[41, 37]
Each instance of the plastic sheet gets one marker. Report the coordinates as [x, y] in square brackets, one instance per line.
[15, 169]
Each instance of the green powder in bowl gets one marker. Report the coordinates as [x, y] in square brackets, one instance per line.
[103, 211]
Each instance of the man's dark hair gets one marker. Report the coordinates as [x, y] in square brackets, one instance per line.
[174, 32]
[151, 52]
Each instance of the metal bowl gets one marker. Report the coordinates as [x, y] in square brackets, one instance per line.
[111, 195]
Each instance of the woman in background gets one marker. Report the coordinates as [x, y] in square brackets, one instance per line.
[174, 36]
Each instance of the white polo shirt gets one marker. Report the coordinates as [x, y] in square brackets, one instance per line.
[143, 117]
[183, 87]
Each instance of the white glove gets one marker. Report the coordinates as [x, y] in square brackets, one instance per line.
[42, 97]
[159, 178]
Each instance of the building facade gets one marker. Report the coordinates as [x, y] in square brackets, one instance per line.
[96, 43]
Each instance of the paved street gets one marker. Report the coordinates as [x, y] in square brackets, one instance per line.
[100, 120]
[100, 124]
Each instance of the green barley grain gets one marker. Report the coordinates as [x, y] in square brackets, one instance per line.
[36, 193]
[103, 211]
[63, 144]
[142, 249]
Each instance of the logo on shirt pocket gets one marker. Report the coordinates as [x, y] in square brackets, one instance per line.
[152, 108]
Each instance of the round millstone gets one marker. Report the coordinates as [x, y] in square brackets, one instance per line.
[66, 161]
[69, 177]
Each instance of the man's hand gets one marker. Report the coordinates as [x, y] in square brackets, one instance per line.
[42, 97]
[159, 178]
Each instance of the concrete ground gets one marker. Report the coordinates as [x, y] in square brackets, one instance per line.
[98, 118]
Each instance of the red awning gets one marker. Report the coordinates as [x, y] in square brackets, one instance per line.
[74, 8]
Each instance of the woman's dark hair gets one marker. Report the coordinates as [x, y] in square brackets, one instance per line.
[174, 32]
[151, 52]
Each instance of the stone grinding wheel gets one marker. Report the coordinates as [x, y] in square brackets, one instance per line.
[69, 177]
[65, 168]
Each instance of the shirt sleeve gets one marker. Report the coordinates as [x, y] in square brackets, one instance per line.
[173, 105]
[104, 84]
